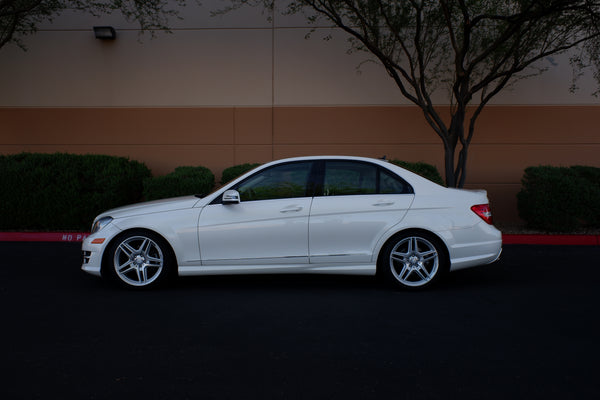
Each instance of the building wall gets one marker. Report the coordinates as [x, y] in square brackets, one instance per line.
[221, 91]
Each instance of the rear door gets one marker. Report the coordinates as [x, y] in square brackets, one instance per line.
[357, 203]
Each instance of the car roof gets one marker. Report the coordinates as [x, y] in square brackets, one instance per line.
[329, 157]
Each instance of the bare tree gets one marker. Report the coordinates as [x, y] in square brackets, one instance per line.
[22, 17]
[475, 48]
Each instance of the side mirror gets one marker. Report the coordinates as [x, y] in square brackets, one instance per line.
[231, 197]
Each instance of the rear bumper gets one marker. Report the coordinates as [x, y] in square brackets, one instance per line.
[478, 245]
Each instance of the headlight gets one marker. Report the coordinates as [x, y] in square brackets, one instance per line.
[100, 223]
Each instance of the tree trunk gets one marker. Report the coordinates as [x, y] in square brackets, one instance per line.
[449, 164]
[455, 131]
[461, 166]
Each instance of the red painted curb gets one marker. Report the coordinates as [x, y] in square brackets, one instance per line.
[43, 236]
[558, 240]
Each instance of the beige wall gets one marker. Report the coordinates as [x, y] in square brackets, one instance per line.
[508, 139]
[239, 60]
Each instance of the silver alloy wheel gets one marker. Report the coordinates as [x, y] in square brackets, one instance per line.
[414, 261]
[138, 261]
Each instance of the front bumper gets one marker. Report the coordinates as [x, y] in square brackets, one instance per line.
[92, 262]
[93, 252]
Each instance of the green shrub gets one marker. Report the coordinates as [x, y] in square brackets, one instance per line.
[181, 182]
[560, 199]
[420, 168]
[231, 173]
[64, 191]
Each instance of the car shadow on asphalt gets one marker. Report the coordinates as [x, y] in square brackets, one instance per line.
[514, 268]
[482, 277]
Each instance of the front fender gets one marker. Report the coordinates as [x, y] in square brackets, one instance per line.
[178, 227]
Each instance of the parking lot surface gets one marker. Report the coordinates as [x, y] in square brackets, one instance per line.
[525, 327]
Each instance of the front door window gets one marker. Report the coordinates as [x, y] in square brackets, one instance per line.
[279, 182]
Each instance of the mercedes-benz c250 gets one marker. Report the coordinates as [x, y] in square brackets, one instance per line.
[333, 215]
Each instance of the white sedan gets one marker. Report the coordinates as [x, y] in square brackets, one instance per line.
[333, 215]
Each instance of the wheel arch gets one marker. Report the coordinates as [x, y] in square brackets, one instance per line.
[407, 231]
[106, 253]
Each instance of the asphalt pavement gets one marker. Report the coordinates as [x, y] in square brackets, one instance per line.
[526, 327]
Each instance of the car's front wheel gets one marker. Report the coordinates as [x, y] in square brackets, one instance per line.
[139, 259]
[413, 260]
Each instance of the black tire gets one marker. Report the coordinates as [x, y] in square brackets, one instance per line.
[139, 260]
[413, 260]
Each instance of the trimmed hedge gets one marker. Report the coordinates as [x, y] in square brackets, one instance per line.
[181, 182]
[64, 191]
[560, 199]
[231, 173]
[420, 168]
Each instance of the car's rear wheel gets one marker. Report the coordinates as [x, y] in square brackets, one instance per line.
[413, 260]
[139, 259]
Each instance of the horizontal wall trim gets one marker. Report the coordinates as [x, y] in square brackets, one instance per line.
[569, 143]
[281, 105]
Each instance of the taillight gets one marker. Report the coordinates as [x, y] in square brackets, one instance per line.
[484, 211]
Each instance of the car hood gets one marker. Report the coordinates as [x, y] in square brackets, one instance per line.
[176, 203]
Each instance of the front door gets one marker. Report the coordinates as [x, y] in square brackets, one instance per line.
[268, 226]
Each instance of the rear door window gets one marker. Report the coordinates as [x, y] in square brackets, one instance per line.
[344, 178]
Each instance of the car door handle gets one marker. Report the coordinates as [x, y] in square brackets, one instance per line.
[291, 209]
[383, 203]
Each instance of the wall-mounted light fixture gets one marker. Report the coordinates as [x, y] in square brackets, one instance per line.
[105, 32]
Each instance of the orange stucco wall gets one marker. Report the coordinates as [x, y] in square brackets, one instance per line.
[508, 138]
